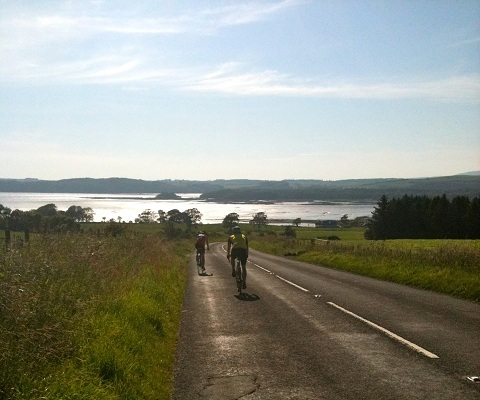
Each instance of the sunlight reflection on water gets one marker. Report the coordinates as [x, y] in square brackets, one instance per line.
[128, 206]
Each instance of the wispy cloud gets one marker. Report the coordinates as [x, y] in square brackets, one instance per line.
[227, 80]
[466, 42]
[246, 13]
[94, 48]
[48, 45]
[232, 79]
[65, 25]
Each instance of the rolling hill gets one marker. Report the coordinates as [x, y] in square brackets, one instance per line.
[260, 190]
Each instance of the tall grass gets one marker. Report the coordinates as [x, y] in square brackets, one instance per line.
[90, 317]
[446, 266]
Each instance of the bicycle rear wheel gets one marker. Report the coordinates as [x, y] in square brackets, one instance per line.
[238, 277]
[200, 264]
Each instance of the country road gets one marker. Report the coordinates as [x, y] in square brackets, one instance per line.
[308, 332]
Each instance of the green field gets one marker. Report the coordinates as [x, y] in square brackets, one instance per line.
[446, 266]
[95, 316]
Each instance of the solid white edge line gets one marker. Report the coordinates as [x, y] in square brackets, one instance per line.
[392, 335]
[291, 283]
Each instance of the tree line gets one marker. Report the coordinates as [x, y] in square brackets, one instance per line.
[421, 217]
[258, 220]
[46, 218]
[189, 217]
[409, 217]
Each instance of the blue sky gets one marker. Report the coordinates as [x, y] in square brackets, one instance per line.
[279, 89]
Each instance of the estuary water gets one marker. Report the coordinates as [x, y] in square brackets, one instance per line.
[127, 207]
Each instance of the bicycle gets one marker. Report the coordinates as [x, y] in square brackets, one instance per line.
[200, 263]
[238, 275]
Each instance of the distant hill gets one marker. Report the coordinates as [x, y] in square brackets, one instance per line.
[365, 190]
[260, 190]
[105, 186]
[473, 173]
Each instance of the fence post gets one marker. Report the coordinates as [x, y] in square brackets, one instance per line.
[7, 239]
[27, 235]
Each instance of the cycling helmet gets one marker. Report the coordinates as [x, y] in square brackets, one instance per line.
[236, 229]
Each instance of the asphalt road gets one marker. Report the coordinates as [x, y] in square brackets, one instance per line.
[307, 332]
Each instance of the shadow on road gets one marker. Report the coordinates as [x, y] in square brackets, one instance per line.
[247, 297]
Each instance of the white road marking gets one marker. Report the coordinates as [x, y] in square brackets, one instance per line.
[264, 269]
[291, 283]
[390, 334]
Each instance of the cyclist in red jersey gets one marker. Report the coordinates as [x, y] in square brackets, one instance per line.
[200, 243]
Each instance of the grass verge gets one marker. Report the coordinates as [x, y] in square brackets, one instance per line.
[445, 266]
[90, 317]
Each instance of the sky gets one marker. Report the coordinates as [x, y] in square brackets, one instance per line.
[240, 89]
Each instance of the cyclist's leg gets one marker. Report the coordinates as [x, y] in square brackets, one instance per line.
[233, 256]
[197, 255]
[243, 259]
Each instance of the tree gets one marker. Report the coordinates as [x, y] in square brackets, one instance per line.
[458, 214]
[18, 220]
[175, 216]
[378, 225]
[297, 221]
[88, 214]
[260, 219]
[147, 217]
[440, 217]
[48, 210]
[473, 219]
[419, 217]
[192, 216]
[230, 220]
[162, 216]
[4, 216]
[80, 214]
[4, 210]
[344, 220]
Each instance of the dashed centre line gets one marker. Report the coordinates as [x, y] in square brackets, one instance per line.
[388, 333]
[264, 269]
[291, 283]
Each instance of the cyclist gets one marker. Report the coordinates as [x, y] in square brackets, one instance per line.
[200, 243]
[237, 247]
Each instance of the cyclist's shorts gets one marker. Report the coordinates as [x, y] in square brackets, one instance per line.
[200, 250]
[241, 254]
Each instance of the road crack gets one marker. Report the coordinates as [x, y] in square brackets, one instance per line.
[229, 387]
